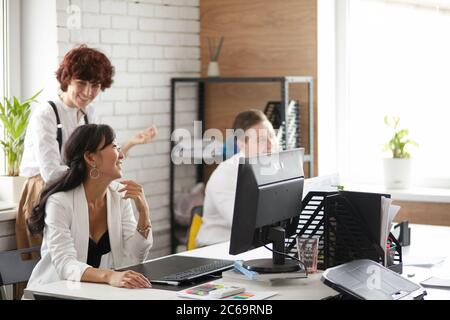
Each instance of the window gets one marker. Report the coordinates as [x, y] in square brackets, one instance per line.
[9, 57]
[396, 63]
[3, 68]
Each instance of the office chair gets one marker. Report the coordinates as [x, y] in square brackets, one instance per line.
[196, 222]
[16, 266]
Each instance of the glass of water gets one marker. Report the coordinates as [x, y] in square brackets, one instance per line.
[308, 249]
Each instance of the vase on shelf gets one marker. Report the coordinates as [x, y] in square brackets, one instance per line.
[11, 188]
[213, 69]
[397, 173]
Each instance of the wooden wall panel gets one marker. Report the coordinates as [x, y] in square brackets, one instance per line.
[424, 212]
[262, 38]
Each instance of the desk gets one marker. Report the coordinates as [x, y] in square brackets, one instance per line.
[310, 288]
[7, 229]
[304, 289]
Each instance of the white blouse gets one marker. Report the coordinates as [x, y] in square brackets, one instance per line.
[41, 150]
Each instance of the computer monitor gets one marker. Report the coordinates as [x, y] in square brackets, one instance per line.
[267, 207]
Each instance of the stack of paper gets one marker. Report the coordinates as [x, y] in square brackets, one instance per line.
[388, 213]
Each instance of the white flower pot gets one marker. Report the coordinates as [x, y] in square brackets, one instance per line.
[10, 188]
[213, 69]
[397, 173]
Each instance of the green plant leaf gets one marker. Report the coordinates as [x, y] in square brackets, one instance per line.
[9, 107]
[402, 134]
[15, 117]
[396, 122]
[2, 109]
[399, 140]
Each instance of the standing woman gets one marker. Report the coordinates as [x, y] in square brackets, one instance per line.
[82, 74]
[86, 218]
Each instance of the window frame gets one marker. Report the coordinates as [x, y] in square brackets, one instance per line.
[339, 139]
[9, 47]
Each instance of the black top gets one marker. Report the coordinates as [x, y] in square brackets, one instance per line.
[96, 250]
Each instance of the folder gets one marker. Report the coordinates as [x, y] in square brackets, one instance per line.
[352, 227]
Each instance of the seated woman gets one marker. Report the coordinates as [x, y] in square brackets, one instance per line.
[258, 137]
[87, 221]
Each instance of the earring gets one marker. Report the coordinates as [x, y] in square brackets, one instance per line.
[94, 173]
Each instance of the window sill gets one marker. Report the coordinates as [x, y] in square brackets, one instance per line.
[418, 194]
[6, 215]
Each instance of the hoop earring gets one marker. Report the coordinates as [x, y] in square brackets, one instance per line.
[94, 173]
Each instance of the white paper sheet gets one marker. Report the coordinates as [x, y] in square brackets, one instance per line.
[388, 213]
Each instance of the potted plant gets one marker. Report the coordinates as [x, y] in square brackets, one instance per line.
[397, 170]
[14, 116]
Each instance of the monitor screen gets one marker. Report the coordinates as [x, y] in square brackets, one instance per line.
[267, 207]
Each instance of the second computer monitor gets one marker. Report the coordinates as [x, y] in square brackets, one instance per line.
[267, 207]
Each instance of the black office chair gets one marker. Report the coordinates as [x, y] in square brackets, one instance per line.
[16, 266]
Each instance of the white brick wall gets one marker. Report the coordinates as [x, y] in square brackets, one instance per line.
[148, 43]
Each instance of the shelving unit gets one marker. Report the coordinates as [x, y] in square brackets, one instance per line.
[283, 82]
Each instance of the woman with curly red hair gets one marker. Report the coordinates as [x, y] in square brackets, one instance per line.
[82, 74]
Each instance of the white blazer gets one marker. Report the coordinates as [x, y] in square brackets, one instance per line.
[65, 242]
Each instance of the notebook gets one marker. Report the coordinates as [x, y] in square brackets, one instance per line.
[203, 292]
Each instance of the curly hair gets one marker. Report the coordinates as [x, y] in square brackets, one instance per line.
[86, 64]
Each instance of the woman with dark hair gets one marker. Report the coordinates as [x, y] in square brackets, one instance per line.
[82, 74]
[86, 217]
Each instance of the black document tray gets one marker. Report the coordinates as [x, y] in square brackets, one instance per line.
[367, 280]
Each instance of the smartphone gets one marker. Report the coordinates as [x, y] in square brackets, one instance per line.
[436, 283]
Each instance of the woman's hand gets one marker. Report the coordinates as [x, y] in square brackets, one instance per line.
[128, 279]
[144, 136]
[133, 190]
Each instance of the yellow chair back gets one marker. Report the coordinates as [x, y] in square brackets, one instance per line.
[196, 222]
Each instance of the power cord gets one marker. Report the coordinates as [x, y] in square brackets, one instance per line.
[290, 257]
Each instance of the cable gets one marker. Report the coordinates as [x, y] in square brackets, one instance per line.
[289, 256]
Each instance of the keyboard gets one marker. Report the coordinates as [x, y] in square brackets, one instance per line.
[199, 271]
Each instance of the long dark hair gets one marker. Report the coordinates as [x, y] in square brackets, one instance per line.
[86, 138]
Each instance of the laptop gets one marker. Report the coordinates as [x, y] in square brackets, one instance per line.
[178, 269]
[367, 280]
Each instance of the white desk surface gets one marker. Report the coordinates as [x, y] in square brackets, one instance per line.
[426, 242]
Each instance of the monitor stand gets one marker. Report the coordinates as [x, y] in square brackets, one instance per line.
[278, 263]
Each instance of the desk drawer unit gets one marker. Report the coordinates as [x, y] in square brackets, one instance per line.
[7, 235]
